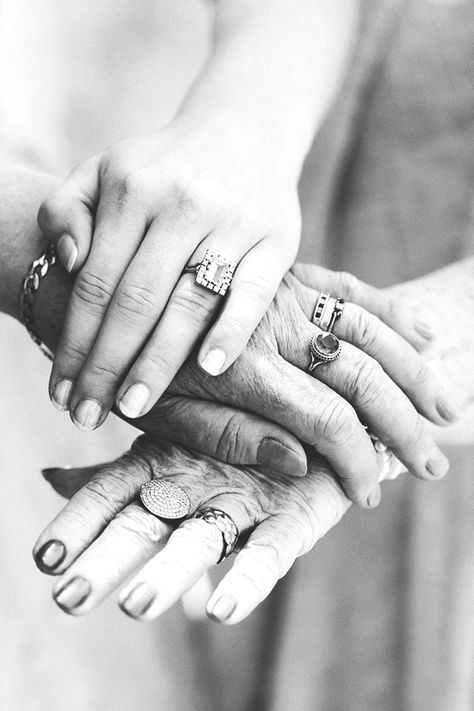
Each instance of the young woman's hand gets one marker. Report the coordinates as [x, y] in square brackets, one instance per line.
[128, 222]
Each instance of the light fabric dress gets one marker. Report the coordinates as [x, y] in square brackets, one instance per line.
[380, 616]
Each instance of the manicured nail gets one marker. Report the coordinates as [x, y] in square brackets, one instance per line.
[214, 361]
[374, 497]
[447, 408]
[67, 252]
[73, 594]
[437, 465]
[276, 455]
[50, 556]
[222, 608]
[424, 330]
[138, 601]
[134, 401]
[87, 415]
[61, 394]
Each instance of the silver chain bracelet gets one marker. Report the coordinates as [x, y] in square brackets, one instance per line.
[30, 285]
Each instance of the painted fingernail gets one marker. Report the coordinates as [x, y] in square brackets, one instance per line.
[138, 601]
[50, 556]
[374, 497]
[437, 465]
[447, 408]
[273, 453]
[61, 394]
[87, 415]
[67, 252]
[222, 608]
[424, 330]
[214, 361]
[73, 594]
[134, 401]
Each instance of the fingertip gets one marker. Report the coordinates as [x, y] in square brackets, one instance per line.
[68, 252]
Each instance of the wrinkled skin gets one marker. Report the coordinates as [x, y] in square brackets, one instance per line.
[107, 535]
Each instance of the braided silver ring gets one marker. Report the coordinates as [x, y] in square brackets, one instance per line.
[225, 524]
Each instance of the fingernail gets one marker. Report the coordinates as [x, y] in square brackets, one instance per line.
[424, 330]
[214, 361]
[138, 601]
[61, 394]
[273, 453]
[447, 408]
[374, 497]
[50, 556]
[67, 252]
[437, 465]
[87, 414]
[50, 472]
[222, 608]
[73, 594]
[133, 402]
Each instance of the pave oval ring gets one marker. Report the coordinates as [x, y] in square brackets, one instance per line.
[213, 272]
[327, 310]
[165, 499]
[323, 348]
[225, 524]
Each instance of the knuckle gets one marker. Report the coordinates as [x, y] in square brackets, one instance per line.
[73, 351]
[365, 383]
[136, 301]
[155, 361]
[102, 371]
[92, 289]
[48, 211]
[193, 304]
[147, 530]
[231, 446]
[102, 496]
[336, 422]
[348, 285]
[415, 435]
[367, 328]
[423, 376]
[258, 289]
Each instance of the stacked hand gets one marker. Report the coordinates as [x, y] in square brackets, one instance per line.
[103, 535]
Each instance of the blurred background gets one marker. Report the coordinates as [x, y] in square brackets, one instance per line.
[381, 616]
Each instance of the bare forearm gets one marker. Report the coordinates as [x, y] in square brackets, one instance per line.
[275, 69]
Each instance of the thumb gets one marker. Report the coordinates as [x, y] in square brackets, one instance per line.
[66, 218]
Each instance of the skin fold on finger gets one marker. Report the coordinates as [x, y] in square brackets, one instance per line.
[376, 301]
[274, 545]
[395, 354]
[226, 433]
[135, 309]
[89, 511]
[253, 287]
[310, 410]
[134, 535]
[114, 242]
[362, 381]
[190, 312]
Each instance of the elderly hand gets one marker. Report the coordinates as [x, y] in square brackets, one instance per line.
[376, 367]
[103, 535]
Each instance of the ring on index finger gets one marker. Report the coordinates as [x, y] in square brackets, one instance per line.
[213, 272]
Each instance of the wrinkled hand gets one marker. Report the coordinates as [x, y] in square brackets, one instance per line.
[103, 535]
[129, 221]
[376, 367]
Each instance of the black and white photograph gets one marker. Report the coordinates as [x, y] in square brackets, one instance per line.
[237, 355]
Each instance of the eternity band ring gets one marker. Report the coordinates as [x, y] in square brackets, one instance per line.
[225, 524]
[327, 311]
[213, 272]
